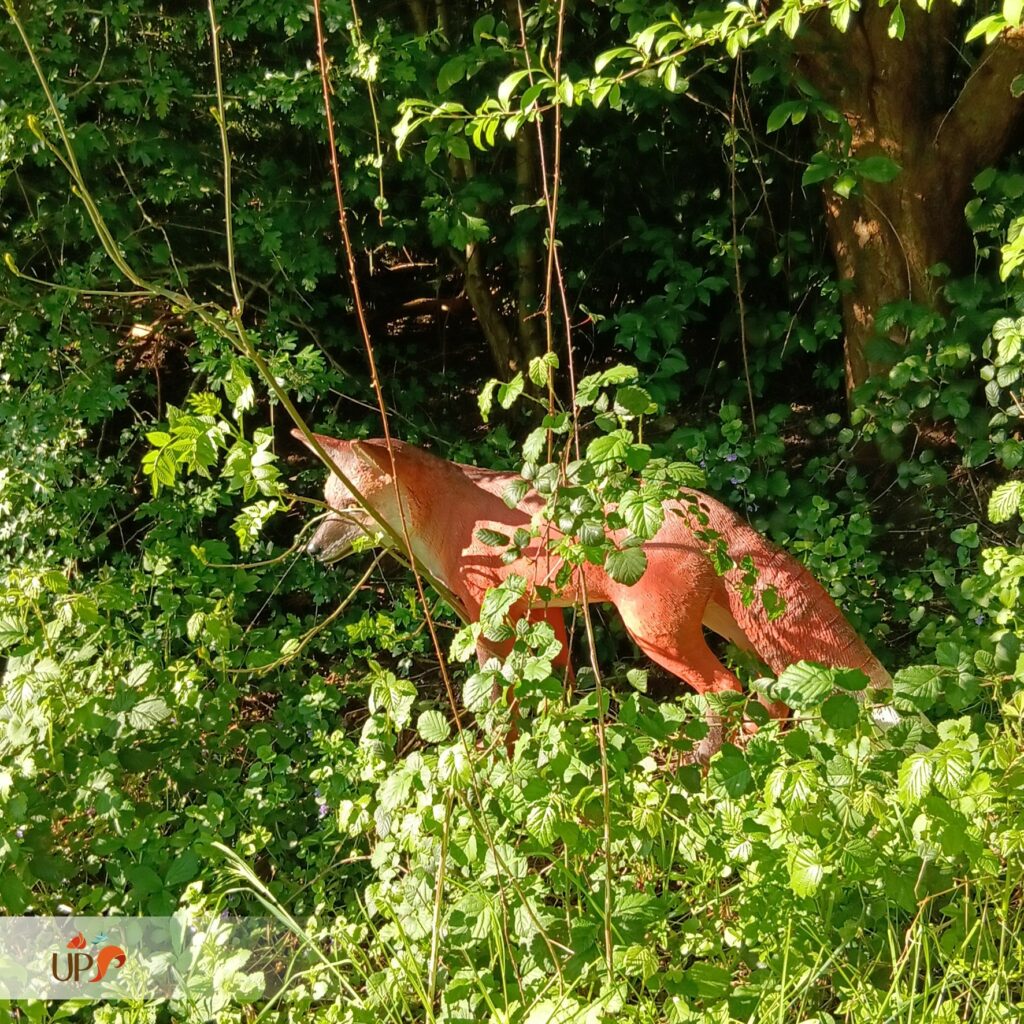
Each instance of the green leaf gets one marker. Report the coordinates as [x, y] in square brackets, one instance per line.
[633, 401]
[11, 631]
[844, 185]
[451, 72]
[514, 493]
[952, 764]
[915, 776]
[644, 515]
[820, 168]
[541, 821]
[496, 605]
[433, 727]
[492, 538]
[144, 878]
[393, 696]
[608, 448]
[806, 870]
[878, 168]
[803, 685]
[729, 774]
[184, 869]
[533, 446]
[637, 678]
[1005, 501]
[476, 691]
[626, 566]
[485, 400]
[918, 686]
[509, 392]
[840, 711]
[148, 713]
[784, 112]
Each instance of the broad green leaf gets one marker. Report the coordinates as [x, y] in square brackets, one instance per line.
[840, 711]
[509, 392]
[806, 870]
[608, 448]
[476, 691]
[915, 776]
[1005, 500]
[433, 727]
[541, 821]
[878, 168]
[452, 71]
[918, 686]
[184, 868]
[148, 713]
[803, 685]
[492, 538]
[952, 769]
[644, 515]
[626, 566]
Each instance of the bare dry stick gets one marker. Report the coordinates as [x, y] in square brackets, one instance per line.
[375, 380]
[553, 274]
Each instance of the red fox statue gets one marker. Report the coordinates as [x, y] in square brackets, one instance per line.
[446, 504]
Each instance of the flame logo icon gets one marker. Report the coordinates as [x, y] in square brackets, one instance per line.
[78, 942]
[108, 955]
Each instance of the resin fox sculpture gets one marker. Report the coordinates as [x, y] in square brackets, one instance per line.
[446, 505]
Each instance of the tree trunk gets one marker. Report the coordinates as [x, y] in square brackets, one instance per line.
[900, 99]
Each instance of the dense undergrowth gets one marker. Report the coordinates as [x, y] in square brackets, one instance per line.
[173, 720]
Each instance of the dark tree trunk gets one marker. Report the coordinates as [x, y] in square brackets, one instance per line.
[900, 100]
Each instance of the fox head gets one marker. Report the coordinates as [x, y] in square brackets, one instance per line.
[367, 465]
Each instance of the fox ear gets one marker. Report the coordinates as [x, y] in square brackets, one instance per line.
[373, 455]
[331, 444]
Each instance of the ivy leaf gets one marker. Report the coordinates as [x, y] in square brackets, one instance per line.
[626, 566]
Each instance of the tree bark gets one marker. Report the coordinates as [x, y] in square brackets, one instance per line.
[899, 99]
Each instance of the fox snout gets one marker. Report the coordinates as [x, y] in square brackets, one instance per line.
[315, 547]
[334, 537]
